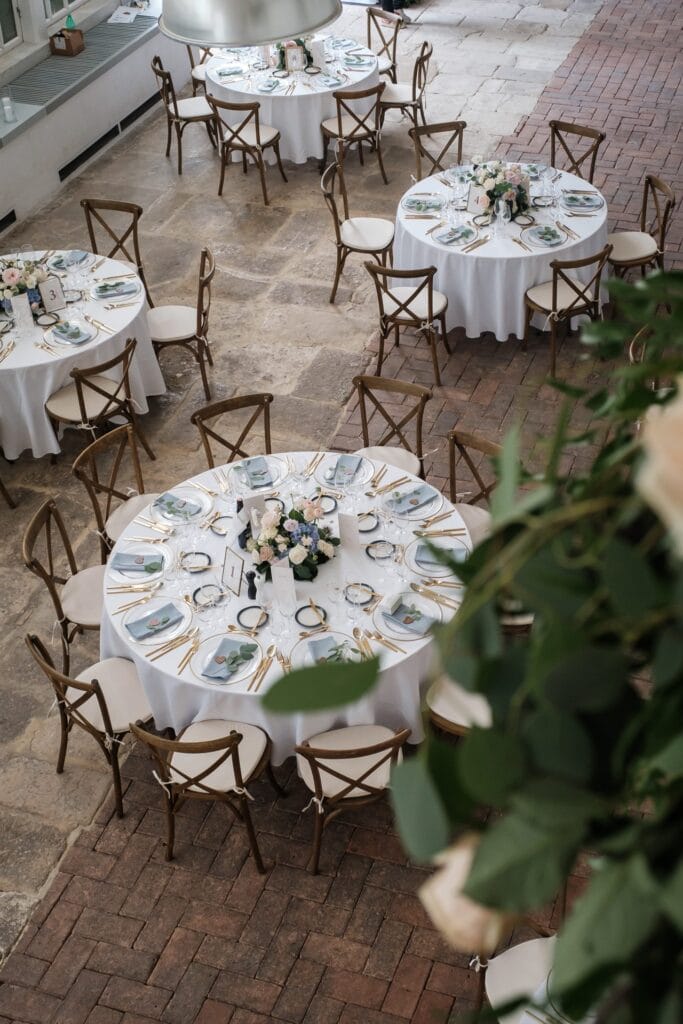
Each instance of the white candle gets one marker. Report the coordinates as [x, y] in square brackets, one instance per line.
[8, 109]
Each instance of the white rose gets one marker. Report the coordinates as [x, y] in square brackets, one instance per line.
[326, 548]
[306, 541]
[298, 554]
[465, 924]
[268, 534]
[660, 480]
[30, 280]
[489, 183]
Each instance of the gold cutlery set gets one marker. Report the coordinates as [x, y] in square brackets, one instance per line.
[7, 350]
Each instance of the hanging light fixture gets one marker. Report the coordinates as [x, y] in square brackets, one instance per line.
[244, 22]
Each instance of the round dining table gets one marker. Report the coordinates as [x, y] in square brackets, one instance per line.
[380, 594]
[485, 287]
[37, 361]
[295, 105]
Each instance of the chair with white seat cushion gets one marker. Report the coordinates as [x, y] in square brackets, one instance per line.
[394, 407]
[516, 973]
[97, 395]
[409, 98]
[111, 220]
[240, 131]
[188, 326]
[419, 306]
[456, 710]
[351, 128]
[383, 28]
[347, 767]
[210, 760]
[99, 467]
[77, 595]
[180, 113]
[198, 68]
[645, 248]
[566, 296]
[462, 445]
[372, 236]
[101, 700]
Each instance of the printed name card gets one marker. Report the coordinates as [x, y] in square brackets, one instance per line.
[348, 532]
[284, 590]
[254, 506]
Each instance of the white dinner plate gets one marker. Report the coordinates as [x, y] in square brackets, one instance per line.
[72, 332]
[276, 466]
[161, 554]
[436, 570]
[301, 655]
[430, 508]
[209, 645]
[324, 472]
[430, 609]
[141, 610]
[189, 494]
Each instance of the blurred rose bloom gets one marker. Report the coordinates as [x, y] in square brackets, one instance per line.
[660, 480]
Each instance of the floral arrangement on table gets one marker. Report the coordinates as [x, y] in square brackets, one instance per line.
[18, 279]
[296, 535]
[288, 44]
[502, 181]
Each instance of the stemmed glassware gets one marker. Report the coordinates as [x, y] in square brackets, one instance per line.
[503, 215]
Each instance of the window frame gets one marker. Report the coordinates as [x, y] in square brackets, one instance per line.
[5, 47]
[68, 8]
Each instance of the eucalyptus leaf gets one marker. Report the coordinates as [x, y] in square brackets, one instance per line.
[553, 803]
[667, 664]
[589, 679]
[611, 920]
[504, 495]
[520, 866]
[420, 814]
[321, 687]
[443, 768]
[491, 764]
[548, 587]
[669, 760]
[559, 744]
[631, 583]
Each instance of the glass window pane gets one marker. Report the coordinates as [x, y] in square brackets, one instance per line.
[54, 7]
[8, 24]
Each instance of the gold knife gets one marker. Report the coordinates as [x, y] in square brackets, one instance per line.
[394, 483]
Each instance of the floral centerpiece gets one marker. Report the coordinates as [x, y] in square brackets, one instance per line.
[295, 535]
[287, 44]
[17, 279]
[502, 181]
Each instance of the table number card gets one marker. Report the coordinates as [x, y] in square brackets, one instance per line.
[348, 532]
[21, 312]
[233, 567]
[473, 196]
[284, 589]
[52, 294]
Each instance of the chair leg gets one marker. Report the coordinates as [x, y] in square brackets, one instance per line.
[527, 325]
[202, 370]
[431, 338]
[207, 351]
[116, 772]
[63, 739]
[211, 133]
[444, 332]
[341, 260]
[326, 144]
[380, 161]
[168, 136]
[244, 162]
[225, 156]
[170, 827]
[553, 346]
[179, 133]
[262, 172]
[139, 433]
[380, 355]
[314, 860]
[360, 154]
[253, 844]
[276, 147]
[280, 790]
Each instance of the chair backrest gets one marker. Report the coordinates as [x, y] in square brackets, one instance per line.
[47, 551]
[359, 126]
[376, 757]
[116, 399]
[232, 135]
[404, 403]
[204, 54]
[663, 200]
[100, 466]
[72, 694]
[207, 270]
[202, 420]
[166, 88]
[464, 444]
[121, 229]
[582, 294]
[179, 783]
[398, 309]
[583, 163]
[383, 28]
[421, 69]
[452, 131]
[334, 188]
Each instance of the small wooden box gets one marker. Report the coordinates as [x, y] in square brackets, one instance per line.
[67, 42]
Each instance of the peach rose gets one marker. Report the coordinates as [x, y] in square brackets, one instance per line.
[660, 480]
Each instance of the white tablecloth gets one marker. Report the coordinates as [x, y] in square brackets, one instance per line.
[486, 288]
[179, 700]
[29, 375]
[298, 116]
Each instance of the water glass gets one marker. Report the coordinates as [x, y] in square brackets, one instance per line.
[503, 216]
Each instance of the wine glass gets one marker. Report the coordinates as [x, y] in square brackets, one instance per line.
[503, 215]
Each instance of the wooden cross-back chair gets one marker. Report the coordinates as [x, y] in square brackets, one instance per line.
[201, 418]
[373, 236]
[76, 595]
[123, 237]
[461, 444]
[99, 701]
[180, 113]
[383, 28]
[7, 496]
[188, 326]
[409, 99]
[198, 68]
[210, 760]
[345, 768]
[247, 136]
[453, 133]
[566, 296]
[410, 400]
[418, 306]
[95, 397]
[350, 128]
[99, 468]
[565, 136]
[645, 248]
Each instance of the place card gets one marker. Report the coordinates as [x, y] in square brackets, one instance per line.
[52, 294]
[233, 568]
[21, 312]
[254, 507]
[348, 531]
[284, 590]
[473, 199]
